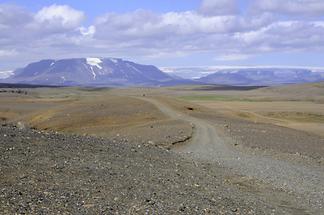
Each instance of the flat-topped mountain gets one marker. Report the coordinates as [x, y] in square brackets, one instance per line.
[91, 72]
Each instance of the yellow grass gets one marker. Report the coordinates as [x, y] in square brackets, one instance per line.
[306, 116]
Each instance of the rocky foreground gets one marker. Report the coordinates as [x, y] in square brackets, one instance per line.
[50, 173]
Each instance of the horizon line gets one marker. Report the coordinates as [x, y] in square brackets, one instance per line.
[246, 67]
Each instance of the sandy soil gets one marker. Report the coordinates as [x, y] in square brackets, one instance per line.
[304, 116]
[98, 113]
[299, 107]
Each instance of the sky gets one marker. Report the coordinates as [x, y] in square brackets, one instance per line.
[164, 33]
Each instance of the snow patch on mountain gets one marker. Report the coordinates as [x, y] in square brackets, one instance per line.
[94, 62]
[114, 60]
[93, 73]
[5, 74]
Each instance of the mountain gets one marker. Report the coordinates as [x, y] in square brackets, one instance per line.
[5, 74]
[119, 72]
[91, 72]
[262, 76]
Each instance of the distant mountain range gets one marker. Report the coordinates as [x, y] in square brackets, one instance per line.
[119, 72]
[248, 76]
[263, 77]
[92, 72]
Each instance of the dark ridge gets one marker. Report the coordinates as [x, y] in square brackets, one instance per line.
[94, 89]
[228, 87]
[7, 85]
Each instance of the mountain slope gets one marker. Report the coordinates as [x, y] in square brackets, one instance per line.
[262, 76]
[90, 71]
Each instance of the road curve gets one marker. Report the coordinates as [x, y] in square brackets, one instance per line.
[305, 181]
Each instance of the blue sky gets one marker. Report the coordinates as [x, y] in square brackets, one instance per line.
[98, 7]
[164, 33]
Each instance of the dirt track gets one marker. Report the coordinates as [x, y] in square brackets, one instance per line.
[206, 144]
[50, 173]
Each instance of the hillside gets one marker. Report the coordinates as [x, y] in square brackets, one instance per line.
[91, 72]
[262, 76]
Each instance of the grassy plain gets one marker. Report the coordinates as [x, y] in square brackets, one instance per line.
[297, 106]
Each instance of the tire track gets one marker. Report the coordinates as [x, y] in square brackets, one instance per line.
[304, 181]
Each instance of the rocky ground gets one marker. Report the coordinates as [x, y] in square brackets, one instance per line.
[217, 164]
[162, 133]
[287, 159]
[50, 173]
[255, 135]
[268, 137]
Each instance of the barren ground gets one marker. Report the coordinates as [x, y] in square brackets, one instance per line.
[262, 145]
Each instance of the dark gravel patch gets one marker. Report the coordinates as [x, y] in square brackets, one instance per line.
[50, 173]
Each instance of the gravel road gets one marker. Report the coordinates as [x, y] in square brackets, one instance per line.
[307, 182]
[50, 173]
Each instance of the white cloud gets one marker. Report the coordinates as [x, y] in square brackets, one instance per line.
[219, 7]
[59, 30]
[232, 57]
[7, 53]
[62, 15]
[90, 31]
[142, 24]
[284, 36]
[293, 7]
[5, 74]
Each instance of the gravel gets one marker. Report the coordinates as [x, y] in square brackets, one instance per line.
[304, 181]
[51, 173]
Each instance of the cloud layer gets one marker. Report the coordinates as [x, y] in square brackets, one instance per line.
[218, 27]
[291, 7]
[59, 16]
[219, 7]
